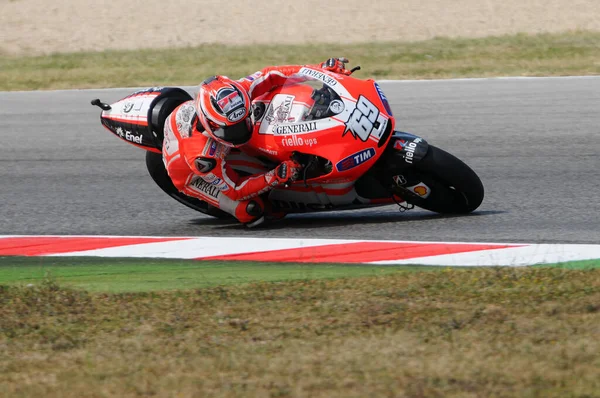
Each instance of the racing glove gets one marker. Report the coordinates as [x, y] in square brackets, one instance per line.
[287, 172]
[336, 65]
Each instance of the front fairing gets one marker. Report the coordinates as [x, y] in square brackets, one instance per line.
[315, 112]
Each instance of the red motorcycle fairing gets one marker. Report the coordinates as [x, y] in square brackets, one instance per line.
[338, 123]
[318, 194]
[349, 130]
[139, 119]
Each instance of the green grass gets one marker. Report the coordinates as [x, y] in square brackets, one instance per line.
[137, 275]
[495, 332]
[573, 53]
[143, 275]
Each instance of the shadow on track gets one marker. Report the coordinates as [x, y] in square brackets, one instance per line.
[338, 219]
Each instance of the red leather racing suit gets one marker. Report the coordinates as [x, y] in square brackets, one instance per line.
[196, 163]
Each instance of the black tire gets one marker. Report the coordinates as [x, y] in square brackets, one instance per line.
[455, 187]
[157, 171]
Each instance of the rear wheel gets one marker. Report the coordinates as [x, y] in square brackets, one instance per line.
[454, 188]
[157, 171]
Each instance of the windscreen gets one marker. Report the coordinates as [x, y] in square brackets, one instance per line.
[313, 99]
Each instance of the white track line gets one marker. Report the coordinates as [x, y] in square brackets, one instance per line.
[513, 256]
[202, 247]
[478, 79]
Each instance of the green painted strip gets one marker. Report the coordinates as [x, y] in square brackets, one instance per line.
[139, 275]
[585, 264]
[135, 275]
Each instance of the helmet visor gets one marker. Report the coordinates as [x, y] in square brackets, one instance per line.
[236, 134]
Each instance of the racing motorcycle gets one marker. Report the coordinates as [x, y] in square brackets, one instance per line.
[339, 128]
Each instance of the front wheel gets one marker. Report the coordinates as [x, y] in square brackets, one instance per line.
[454, 188]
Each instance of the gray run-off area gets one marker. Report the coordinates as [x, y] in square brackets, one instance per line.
[534, 142]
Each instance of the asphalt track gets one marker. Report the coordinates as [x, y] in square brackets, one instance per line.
[534, 142]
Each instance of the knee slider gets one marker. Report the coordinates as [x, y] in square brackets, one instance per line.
[254, 209]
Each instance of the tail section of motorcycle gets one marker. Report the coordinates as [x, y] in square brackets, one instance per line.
[139, 118]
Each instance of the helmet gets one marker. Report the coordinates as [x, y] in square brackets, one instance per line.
[223, 107]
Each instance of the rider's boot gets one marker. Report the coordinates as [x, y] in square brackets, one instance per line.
[251, 212]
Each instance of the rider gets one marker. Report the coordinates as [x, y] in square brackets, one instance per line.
[199, 134]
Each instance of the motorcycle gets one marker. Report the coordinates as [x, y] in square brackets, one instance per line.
[339, 128]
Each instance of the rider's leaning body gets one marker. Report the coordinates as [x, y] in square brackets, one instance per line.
[200, 133]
